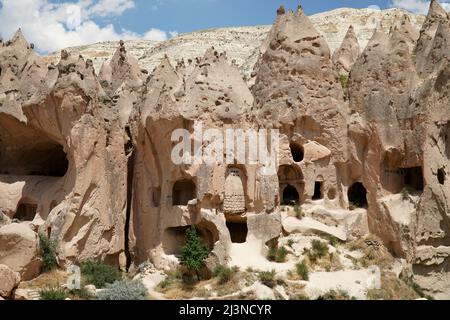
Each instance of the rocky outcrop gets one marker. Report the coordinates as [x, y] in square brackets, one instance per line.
[19, 250]
[9, 280]
[345, 56]
[70, 142]
[435, 18]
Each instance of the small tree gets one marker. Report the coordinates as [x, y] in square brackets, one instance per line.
[194, 252]
[48, 253]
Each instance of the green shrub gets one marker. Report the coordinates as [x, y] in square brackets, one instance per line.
[405, 193]
[124, 290]
[268, 278]
[194, 252]
[338, 294]
[302, 271]
[48, 253]
[224, 274]
[99, 274]
[281, 255]
[164, 284]
[343, 79]
[53, 294]
[299, 214]
[82, 293]
[272, 254]
[290, 243]
[320, 248]
[277, 254]
[333, 241]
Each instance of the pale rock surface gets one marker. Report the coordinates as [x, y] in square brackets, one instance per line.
[19, 250]
[9, 280]
[345, 56]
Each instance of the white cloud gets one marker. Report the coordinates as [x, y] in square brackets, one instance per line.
[374, 7]
[52, 26]
[418, 6]
[106, 8]
[155, 34]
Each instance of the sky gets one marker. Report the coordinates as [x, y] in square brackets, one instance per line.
[55, 24]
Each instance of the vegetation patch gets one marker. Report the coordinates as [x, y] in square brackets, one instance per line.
[99, 274]
[224, 274]
[392, 288]
[194, 252]
[276, 254]
[268, 278]
[302, 271]
[124, 290]
[53, 293]
[48, 253]
[336, 294]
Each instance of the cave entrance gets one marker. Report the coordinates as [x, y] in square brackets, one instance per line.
[441, 175]
[25, 211]
[297, 152]
[413, 178]
[290, 196]
[183, 191]
[357, 195]
[174, 238]
[318, 190]
[27, 151]
[238, 231]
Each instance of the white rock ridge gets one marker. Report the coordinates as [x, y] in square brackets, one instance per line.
[242, 43]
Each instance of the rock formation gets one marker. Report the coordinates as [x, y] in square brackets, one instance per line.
[108, 166]
[243, 44]
[346, 55]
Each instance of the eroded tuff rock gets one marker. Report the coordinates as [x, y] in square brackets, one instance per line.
[9, 280]
[348, 52]
[243, 44]
[65, 153]
[89, 161]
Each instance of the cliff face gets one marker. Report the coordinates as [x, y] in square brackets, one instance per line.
[91, 161]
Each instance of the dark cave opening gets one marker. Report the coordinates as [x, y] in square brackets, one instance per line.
[183, 191]
[441, 175]
[318, 190]
[25, 211]
[238, 231]
[297, 152]
[357, 195]
[413, 178]
[290, 196]
[27, 151]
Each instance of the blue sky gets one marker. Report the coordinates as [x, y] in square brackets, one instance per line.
[55, 24]
[190, 15]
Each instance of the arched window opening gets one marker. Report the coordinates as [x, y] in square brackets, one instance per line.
[357, 195]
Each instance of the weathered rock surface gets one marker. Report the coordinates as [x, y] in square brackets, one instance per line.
[19, 250]
[9, 280]
[345, 56]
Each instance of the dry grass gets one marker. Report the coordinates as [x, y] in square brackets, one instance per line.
[176, 289]
[392, 288]
[54, 278]
[373, 255]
